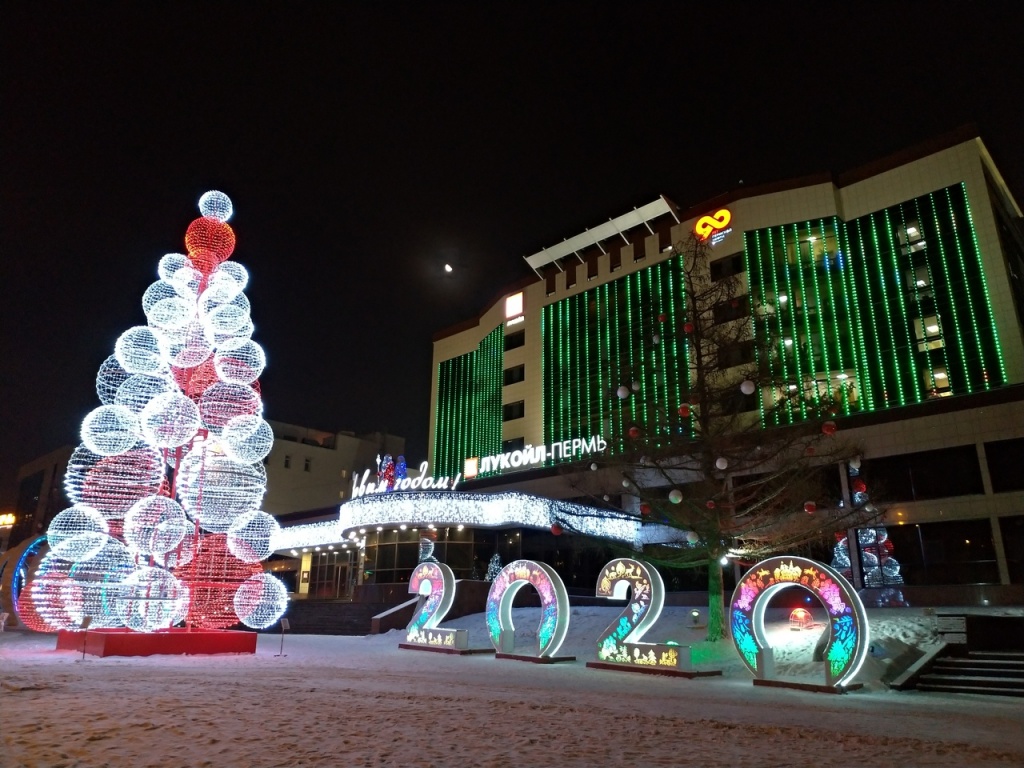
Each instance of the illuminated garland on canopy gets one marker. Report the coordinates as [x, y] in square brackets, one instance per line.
[180, 409]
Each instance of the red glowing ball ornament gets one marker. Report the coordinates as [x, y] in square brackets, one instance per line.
[645, 509]
[858, 486]
[710, 504]
[634, 432]
[556, 529]
[662, 317]
[829, 428]
[214, 239]
[810, 507]
[688, 327]
[684, 411]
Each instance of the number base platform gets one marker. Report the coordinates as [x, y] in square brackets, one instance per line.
[664, 671]
[813, 687]
[535, 659]
[441, 649]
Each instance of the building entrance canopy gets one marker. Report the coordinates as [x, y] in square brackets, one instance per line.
[480, 510]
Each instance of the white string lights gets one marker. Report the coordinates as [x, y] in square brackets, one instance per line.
[127, 553]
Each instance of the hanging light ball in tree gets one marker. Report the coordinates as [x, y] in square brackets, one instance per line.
[593, 466]
[625, 482]
[634, 432]
[721, 462]
[855, 462]
[684, 411]
[656, 338]
[622, 392]
[662, 317]
[747, 387]
[635, 386]
[692, 537]
[710, 504]
[687, 327]
[675, 496]
[829, 428]
[645, 509]
[556, 529]
[810, 507]
[858, 486]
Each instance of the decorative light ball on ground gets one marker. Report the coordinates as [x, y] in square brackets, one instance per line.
[215, 489]
[110, 430]
[645, 509]
[138, 351]
[242, 365]
[747, 387]
[810, 507]
[109, 378]
[222, 402]
[155, 524]
[675, 496]
[622, 392]
[721, 463]
[829, 428]
[216, 205]
[247, 439]
[710, 504]
[684, 411]
[138, 389]
[250, 534]
[687, 327]
[211, 236]
[111, 484]
[634, 432]
[213, 577]
[169, 420]
[151, 599]
[260, 601]
[77, 533]
[556, 529]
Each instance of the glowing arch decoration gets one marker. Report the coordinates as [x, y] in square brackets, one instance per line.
[482, 510]
[554, 605]
[848, 624]
[620, 641]
[435, 584]
[166, 526]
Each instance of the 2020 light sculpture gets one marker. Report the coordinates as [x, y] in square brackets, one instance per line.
[166, 487]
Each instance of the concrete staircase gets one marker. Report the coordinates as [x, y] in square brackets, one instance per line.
[332, 617]
[995, 673]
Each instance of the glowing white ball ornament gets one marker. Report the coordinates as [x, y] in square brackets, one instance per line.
[186, 347]
[151, 599]
[721, 463]
[110, 430]
[138, 351]
[155, 525]
[241, 365]
[223, 401]
[622, 392]
[170, 264]
[260, 601]
[250, 534]
[675, 496]
[169, 420]
[216, 205]
[77, 533]
[692, 537]
[95, 584]
[137, 390]
[111, 484]
[215, 489]
[747, 387]
[108, 379]
[247, 439]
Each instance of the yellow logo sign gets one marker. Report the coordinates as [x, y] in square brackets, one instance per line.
[707, 225]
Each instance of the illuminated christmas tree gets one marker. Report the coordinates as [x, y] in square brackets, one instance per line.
[167, 484]
[493, 568]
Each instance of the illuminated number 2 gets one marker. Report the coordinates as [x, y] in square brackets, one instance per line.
[620, 641]
[436, 583]
[554, 603]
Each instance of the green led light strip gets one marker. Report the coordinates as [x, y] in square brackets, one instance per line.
[984, 287]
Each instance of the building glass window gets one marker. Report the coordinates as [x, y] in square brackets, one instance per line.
[287, 461]
[727, 267]
[511, 411]
[515, 340]
[513, 444]
[306, 465]
[515, 374]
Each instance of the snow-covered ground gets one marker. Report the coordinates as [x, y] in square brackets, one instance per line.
[361, 701]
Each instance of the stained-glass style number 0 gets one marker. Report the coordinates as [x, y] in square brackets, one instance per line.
[848, 624]
[435, 583]
[620, 641]
[554, 603]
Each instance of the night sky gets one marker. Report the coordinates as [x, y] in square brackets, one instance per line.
[366, 145]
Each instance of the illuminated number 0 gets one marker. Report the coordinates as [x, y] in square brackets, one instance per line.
[554, 604]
